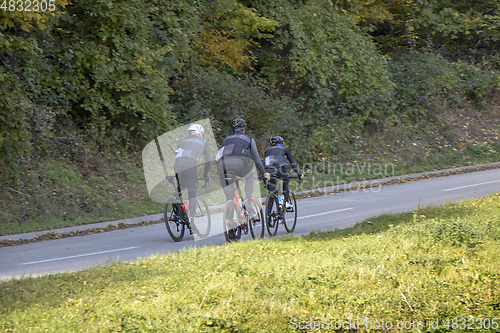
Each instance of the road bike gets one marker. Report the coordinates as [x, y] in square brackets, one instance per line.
[176, 213]
[236, 219]
[277, 213]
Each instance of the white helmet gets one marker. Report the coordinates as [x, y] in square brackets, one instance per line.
[195, 129]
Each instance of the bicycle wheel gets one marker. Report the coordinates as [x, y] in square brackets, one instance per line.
[173, 216]
[202, 220]
[232, 231]
[272, 214]
[290, 218]
[257, 225]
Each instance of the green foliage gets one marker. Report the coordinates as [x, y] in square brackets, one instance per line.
[116, 72]
[27, 101]
[223, 97]
[13, 126]
[475, 82]
[102, 65]
[418, 77]
[28, 15]
[329, 68]
[226, 38]
[459, 28]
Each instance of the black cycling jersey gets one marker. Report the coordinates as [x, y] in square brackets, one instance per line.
[243, 145]
[279, 156]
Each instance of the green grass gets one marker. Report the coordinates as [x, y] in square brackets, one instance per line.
[438, 263]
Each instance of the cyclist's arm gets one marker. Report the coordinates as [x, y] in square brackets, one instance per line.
[292, 162]
[256, 158]
[207, 159]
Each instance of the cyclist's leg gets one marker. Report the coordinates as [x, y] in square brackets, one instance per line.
[187, 175]
[223, 166]
[249, 184]
[191, 178]
[286, 183]
[271, 183]
[242, 167]
[179, 172]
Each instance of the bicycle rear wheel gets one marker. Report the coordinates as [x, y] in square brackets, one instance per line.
[290, 219]
[202, 220]
[257, 225]
[232, 231]
[272, 214]
[173, 216]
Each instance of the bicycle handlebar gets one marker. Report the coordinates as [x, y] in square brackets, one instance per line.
[275, 177]
[207, 181]
[171, 180]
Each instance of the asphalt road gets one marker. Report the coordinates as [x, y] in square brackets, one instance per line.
[316, 213]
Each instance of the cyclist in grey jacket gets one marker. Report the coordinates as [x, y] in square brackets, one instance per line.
[236, 154]
[189, 153]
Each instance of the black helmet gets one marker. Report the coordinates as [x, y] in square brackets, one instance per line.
[276, 139]
[238, 123]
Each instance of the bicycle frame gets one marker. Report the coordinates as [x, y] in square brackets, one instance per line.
[237, 199]
[276, 212]
[178, 218]
[243, 223]
[276, 192]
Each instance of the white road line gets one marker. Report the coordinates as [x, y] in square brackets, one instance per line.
[79, 255]
[330, 212]
[457, 188]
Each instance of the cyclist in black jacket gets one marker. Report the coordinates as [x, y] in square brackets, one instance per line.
[277, 162]
[188, 155]
[237, 152]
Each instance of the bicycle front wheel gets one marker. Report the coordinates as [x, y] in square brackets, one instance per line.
[291, 214]
[232, 231]
[257, 224]
[174, 219]
[202, 220]
[272, 214]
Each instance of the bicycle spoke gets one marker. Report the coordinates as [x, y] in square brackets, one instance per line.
[173, 219]
[202, 219]
[290, 215]
[232, 231]
[257, 224]
[272, 214]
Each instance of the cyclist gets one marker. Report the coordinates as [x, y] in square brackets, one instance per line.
[236, 155]
[277, 162]
[189, 152]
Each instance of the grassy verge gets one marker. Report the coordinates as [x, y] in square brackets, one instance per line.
[408, 270]
[55, 194]
[367, 167]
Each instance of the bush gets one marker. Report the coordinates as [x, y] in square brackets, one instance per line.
[205, 92]
[475, 82]
[418, 77]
